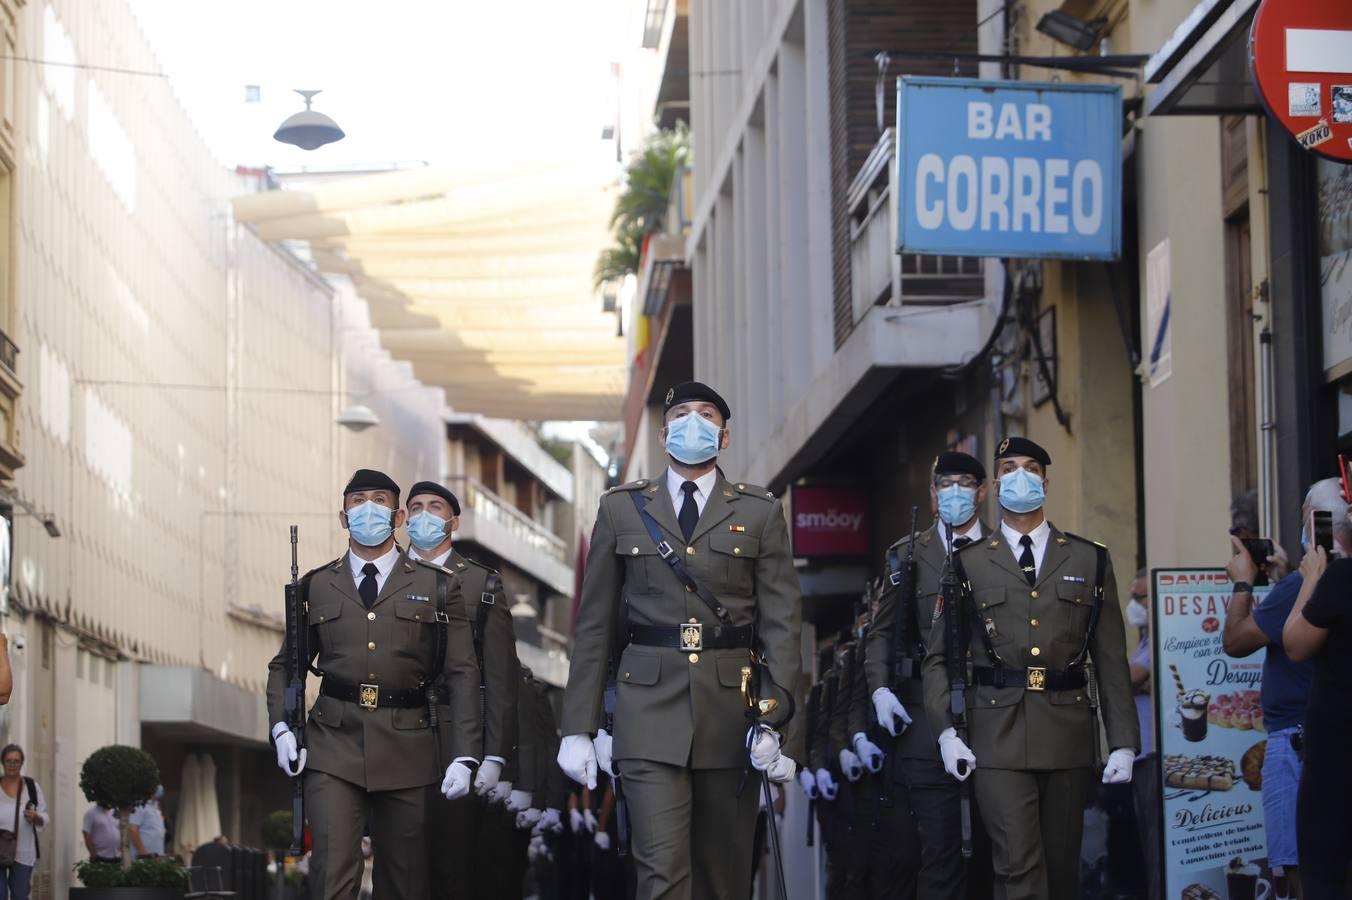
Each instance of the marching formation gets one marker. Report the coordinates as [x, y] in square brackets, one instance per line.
[946, 748]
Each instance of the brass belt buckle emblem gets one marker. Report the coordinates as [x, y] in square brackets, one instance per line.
[369, 696]
[1037, 678]
[692, 638]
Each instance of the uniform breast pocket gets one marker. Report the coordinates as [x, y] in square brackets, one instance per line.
[735, 555]
[1075, 600]
[415, 620]
[994, 623]
[641, 557]
[323, 616]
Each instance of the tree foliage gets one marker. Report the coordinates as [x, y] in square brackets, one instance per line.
[119, 777]
[641, 208]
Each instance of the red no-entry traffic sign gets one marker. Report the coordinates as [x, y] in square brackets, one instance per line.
[1301, 54]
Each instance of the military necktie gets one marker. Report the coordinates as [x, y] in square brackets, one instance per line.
[689, 513]
[368, 588]
[1026, 560]
[959, 543]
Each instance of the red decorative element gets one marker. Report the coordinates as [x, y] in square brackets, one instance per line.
[1313, 104]
[1211, 625]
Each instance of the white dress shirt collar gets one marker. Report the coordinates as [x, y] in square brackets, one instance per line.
[704, 488]
[1040, 536]
[384, 565]
[973, 533]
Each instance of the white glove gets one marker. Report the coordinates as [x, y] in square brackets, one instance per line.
[1118, 770]
[954, 751]
[602, 840]
[552, 820]
[869, 753]
[764, 745]
[781, 771]
[809, 784]
[457, 781]
[826, 785]
[604, 761]
[527, 818]
[575, 820]
[850, 766]
[287, 758]
[577, 758]
[519, 801]
[536, 849]
[486, 779]
[500, 792]
[589, 820]
[889, 710]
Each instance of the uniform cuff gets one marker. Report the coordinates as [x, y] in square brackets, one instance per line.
[468, 762]
[497, 759]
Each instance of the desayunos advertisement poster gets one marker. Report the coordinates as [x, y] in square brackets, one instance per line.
[1211, 743]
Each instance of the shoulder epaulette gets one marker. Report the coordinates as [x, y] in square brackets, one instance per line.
[965, 547]
[900, 542]
[462, 559]
[331, 564]
[629, 486]
[429, 564]
[753, 490]
[1084, 540]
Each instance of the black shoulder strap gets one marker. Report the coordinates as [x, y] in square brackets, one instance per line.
[33, 799]
[965, 595]
[673, 559]
[1096, 604]
[443, 621]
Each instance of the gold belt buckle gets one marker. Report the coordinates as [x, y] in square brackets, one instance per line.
[1037, 678]
[692, 638]
[369, 696]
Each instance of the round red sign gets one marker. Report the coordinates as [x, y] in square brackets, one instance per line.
[1301, 54]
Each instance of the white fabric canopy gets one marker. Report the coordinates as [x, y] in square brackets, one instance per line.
[480, 278]
[187, 822]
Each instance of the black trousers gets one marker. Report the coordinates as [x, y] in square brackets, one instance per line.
[453, 847]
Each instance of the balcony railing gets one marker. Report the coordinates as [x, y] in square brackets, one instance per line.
[473, 494]
[879, 276]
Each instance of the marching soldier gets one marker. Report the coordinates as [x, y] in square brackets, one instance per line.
[1043, 621]
[383, 627]
[925, 800]
[456, 836]
[703, 568]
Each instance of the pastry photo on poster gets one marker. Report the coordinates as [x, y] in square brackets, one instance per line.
[1212, 741]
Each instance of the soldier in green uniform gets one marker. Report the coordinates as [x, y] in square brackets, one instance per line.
[925, 799]
[456, 837]
[1043, 620]
[378, 620]
[681, 734]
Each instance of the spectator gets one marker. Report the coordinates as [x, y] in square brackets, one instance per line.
[20, 797]
[145, 827]
[1320, 629]
[1285, 690]
[101, 836]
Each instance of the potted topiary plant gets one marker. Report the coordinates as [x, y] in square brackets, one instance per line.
[122, 778]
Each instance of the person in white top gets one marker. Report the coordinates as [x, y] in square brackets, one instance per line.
[21, 802]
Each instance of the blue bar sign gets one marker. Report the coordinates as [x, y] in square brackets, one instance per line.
[1009, 168]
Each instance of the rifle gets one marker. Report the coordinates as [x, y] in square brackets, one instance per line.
[901, 576]
[293, 699]
[621, 806]
[955, 660]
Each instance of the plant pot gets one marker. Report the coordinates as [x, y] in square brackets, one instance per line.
[126, 893]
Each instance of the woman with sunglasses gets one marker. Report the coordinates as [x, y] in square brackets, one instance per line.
[21, 800]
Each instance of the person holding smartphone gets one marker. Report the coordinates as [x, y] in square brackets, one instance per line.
[1320, 629]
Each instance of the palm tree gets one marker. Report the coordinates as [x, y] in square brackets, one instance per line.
[642, 204]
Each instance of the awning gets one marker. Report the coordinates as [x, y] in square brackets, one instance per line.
[481, 279]
[1203, 69]
[192, 705]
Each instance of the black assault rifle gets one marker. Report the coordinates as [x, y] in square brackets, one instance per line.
[955, 660]
[621, 806]
[293, 699]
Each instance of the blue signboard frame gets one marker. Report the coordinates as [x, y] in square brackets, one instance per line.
[941, 128]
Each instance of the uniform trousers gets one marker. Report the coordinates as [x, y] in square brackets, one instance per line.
[929, 799]
[1036, 822]
[454, 855]
[501, 859]
[691, 832]
[337, 811]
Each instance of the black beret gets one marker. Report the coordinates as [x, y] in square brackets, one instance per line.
[694, 390]
[951, 462]
[431, 487]
[1021, 446]
[371, 480]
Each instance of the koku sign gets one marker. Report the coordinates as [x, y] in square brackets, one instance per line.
[830, 521]
[1009, 168]
[1301, 53]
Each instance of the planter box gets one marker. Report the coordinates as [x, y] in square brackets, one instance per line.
[126, 893]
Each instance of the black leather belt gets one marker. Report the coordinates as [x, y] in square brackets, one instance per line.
[692, 637]
[1033, 678]
[372, 696]
[908, 669]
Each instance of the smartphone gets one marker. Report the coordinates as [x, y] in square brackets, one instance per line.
[1259, 550]
[1321, 529]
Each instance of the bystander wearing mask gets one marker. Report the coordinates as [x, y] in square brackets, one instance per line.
[21, 802]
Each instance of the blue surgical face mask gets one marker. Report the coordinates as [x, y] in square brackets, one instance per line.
[370, 524]
[692, 439]
[426, 530]
[1021, 491]
[957, 504]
